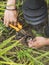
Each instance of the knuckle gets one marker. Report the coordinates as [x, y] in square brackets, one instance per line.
[15, 20]
[11, 21]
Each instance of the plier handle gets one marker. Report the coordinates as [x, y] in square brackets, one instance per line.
[18, 27]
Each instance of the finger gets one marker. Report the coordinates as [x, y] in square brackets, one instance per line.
[15, 22]
[34, 39]
[35, 45]
[4, 20]
[7, 23]
[11, 22]
[30, 43]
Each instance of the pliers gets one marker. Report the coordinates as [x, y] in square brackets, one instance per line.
[20, 31]
[18, 27]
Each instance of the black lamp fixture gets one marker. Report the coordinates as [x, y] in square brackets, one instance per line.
[35, 11]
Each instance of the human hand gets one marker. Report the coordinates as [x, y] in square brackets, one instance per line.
[10, 17]
[37, 42]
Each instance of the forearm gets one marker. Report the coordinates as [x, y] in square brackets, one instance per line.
[11, 4]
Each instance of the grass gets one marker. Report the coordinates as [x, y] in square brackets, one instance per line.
[48, 1]
[22, 55]
[12, 52]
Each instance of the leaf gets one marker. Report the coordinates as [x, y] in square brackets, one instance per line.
[5, 42]
[10, 63]
[8, 48]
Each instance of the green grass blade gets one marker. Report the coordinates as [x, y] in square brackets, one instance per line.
[6, 42]
[8, 48]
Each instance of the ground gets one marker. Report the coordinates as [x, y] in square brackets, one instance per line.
[10, 52]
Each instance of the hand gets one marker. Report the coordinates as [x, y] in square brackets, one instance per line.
[38, 42]
[10, 17]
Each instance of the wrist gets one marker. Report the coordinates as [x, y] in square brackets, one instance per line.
[47, 41]
[11, 9]
[8, 7]
[11, 4]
